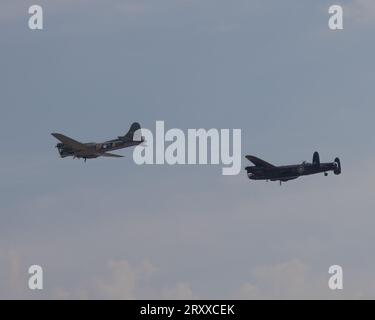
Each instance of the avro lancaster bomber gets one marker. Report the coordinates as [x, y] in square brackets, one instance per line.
[266, 171]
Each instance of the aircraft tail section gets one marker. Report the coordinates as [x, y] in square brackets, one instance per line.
[130, 134]
[133, 128]
[316, 159]
[338, 166]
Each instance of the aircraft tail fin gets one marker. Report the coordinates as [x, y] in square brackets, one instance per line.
[130, 134]
[338, 166]
[316, 159]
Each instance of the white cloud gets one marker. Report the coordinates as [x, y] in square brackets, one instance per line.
[181, 291]
[287, 280]
[122, 281]
[303, 228]
[295, 279]
[125, 281]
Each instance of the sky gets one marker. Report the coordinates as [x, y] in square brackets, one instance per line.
[111, 229]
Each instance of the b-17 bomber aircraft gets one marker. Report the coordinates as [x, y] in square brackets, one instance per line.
[69, 147]
[266, 171]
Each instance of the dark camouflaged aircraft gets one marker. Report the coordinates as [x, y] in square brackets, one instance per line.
[266, 171]
[72, 148]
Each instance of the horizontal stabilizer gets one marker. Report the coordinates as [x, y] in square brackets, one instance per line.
[107, 154]
[259, 162]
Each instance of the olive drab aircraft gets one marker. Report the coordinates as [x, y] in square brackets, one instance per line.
[266, 171]
[69, 147]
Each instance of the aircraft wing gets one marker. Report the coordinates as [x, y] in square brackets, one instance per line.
[107, 154]
[259, 162]
[69, 141]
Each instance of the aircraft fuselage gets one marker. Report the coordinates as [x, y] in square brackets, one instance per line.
[266, 171]
[94, 150]
[289, 172]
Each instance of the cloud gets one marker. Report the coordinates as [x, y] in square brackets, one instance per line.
[123, 280]
[287, 280]
[295, 279]
[181, 291]
[361, 11]
[306, 225]
[11, 276]
[91, 225]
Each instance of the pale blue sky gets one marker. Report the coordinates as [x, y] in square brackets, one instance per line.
[271, 68]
